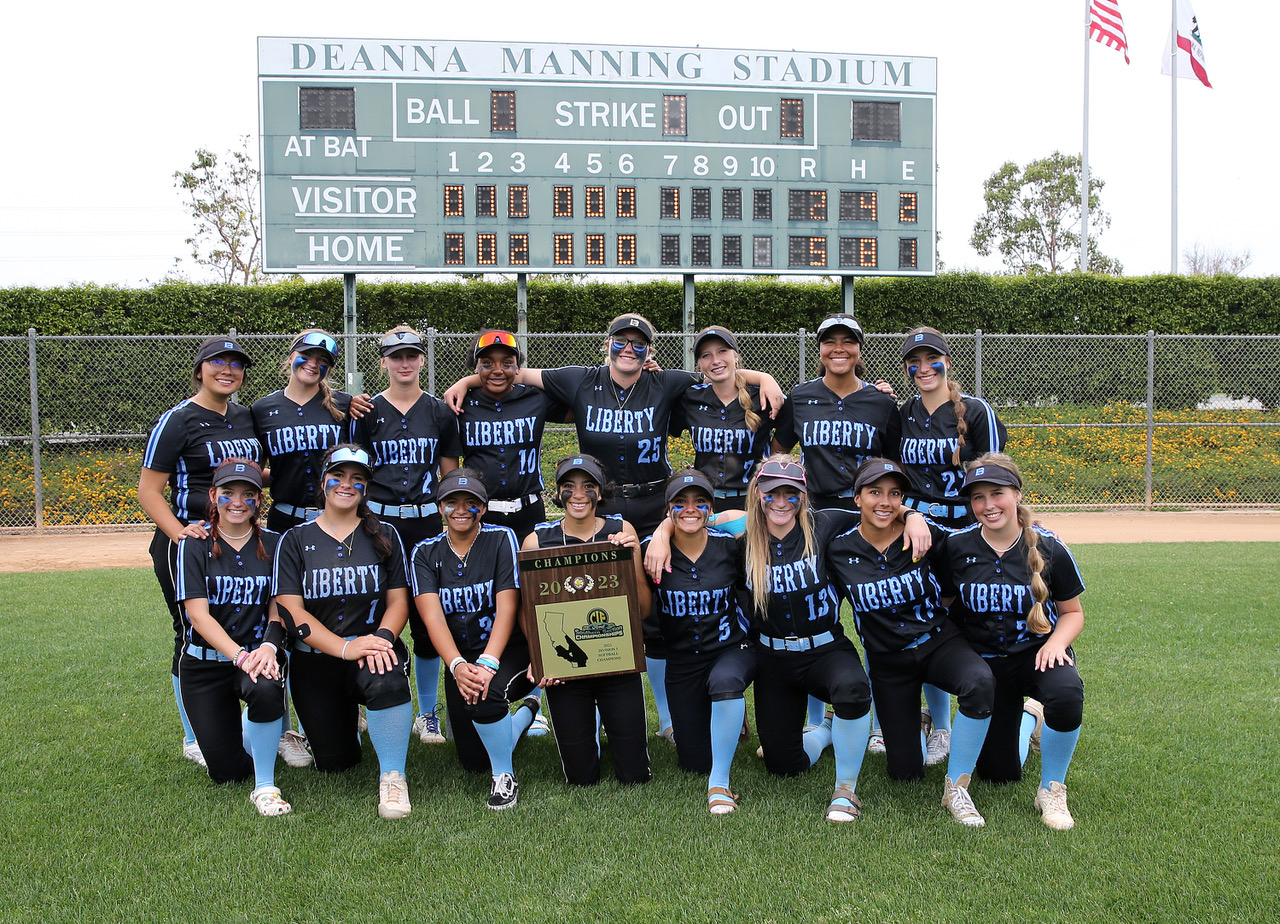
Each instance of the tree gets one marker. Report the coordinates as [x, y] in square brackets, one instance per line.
[1201, 260]
[223, 200]
[1033, 217]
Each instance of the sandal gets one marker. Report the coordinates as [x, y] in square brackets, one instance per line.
[268, 801]
[720, 801]
[669, 733]
[838, 811]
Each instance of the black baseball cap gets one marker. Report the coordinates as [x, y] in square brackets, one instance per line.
[717, 331]
[776, 473]
[847, 321]
[632, 322]
[229, 470]
[462, 483]
[585, 464]
[874, 469]
[688, 478]
[990, 474]
[924, 338]
[495, 338]
[217, 346]
[399, 340]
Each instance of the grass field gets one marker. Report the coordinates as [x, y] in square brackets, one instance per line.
[1173, 789]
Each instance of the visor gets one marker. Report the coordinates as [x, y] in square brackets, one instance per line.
[775, 474]
[237, 470]
[927, 339]
[847, 321]
[877, 469]
[217, 346]
[349, 455]
[990, 474]
[453, 483]
[580, 464]
[688, 478]
[714, 331]
[632, 322]
[400, 340]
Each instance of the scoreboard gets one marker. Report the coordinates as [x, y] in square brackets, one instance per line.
[389, 156]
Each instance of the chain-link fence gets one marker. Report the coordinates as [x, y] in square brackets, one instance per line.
[1146, 421]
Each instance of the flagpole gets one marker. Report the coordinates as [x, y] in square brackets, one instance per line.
[1084, 157]
[1173, 50]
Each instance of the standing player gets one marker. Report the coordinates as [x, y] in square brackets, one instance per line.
[1016, 592]
[468, 589]
[341, 587]
[710, 663]
[185, 446]
[411, 436]
[233, 641]
[623, 416]
[727, 424]
[942, 429]
[907, 635]
[618, 701]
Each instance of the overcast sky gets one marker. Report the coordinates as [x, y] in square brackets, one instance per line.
[103, 103]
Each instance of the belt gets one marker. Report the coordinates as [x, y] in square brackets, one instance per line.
[403, 511]
[641, 490]
[206, 654]
[794, 643]
[513, 506]
[922, 639]
[937, 510]
[301, 513]
[730, 492]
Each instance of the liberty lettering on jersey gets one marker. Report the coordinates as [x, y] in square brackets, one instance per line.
[499, 432]
[343, 581]
[682, 603]
[232, 449]
[419, 451]
[467, 599]
[997, 598]
[707, 439]
[238, 591]
[900, 590]
[838, 433]
[617, 420]
[303, 437]
[928, 451]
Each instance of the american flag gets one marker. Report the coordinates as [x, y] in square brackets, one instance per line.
[1106, 25]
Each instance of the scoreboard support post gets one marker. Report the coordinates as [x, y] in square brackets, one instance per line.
[689, 328]
[522, 313]
[355, 378]
[846, 296]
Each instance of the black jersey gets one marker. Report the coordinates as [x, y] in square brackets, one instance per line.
[836, 434]
[697, 602]
[468, 588]
[236, 585]
[296, 437]
[725, 448]
[802, 597]
[345, 589]
[407, 448]
[502, 439]
[896, 601]
[929, 442]
[993, 591]
[188, 442]
[625, 429]
[551, 533]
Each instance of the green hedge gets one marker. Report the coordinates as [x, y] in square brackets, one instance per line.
[1073, 303]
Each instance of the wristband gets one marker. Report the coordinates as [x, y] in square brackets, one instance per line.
[240, 655]
[344, 649]
[453, 665]
[386, 634]
[274, 634]
[488, 661]
[275, 649]
[486, 667]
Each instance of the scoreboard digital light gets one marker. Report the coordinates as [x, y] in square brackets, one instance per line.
[434, 156]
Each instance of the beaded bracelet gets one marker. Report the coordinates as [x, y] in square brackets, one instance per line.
[240, 656]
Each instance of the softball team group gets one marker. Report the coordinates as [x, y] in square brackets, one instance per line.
[912, 515]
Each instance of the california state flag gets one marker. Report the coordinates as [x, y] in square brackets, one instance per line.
[1190, 53]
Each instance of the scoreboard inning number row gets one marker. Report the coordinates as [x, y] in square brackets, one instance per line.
[494, 163]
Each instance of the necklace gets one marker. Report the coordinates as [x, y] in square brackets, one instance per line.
[566, 535]
[1001, 552]
[462, 559]
[348, 544]
[243, 535]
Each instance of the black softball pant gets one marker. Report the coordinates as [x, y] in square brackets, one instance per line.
[164, 561]
[947, 662]
[693, 684]
[509, 685]
[1059, 689]
[211, 694]
[328, 693]
[784, 682]
[413, 530]
[620, 700]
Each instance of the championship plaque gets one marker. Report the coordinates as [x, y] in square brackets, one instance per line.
[580, 611]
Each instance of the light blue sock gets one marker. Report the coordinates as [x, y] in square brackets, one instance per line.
[657, 669]
[939, 703]
[1024, 737]
[726, 725]
[426, 677]
[497, 740]
[188, 734]
[521, 719]
[849, 741]
[389, 731]
[264, 739]
[966, 744]
[817, 710]
[816, 739]
[1056, 748]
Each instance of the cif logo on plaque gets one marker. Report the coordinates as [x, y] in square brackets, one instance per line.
[583, 606]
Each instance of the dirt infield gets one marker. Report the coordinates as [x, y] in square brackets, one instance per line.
[66, 551]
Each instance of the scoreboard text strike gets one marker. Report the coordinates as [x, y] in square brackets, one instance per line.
[404, 156]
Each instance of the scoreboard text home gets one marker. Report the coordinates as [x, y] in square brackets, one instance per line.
[413, 156]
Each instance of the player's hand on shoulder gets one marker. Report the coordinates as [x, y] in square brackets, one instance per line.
[885, 388]
[361, 404]
[455, 394]
[197, 530]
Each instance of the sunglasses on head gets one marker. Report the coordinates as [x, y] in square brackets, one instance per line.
[317, 340]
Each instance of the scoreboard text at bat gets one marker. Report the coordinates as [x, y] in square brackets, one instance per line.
[482, 156]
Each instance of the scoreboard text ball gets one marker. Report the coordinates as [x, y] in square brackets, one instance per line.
[430, 156]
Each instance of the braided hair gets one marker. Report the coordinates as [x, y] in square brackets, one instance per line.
[215, 517]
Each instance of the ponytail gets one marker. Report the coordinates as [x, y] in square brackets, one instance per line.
[1037, 619]
[962, 426]
[744, 399]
